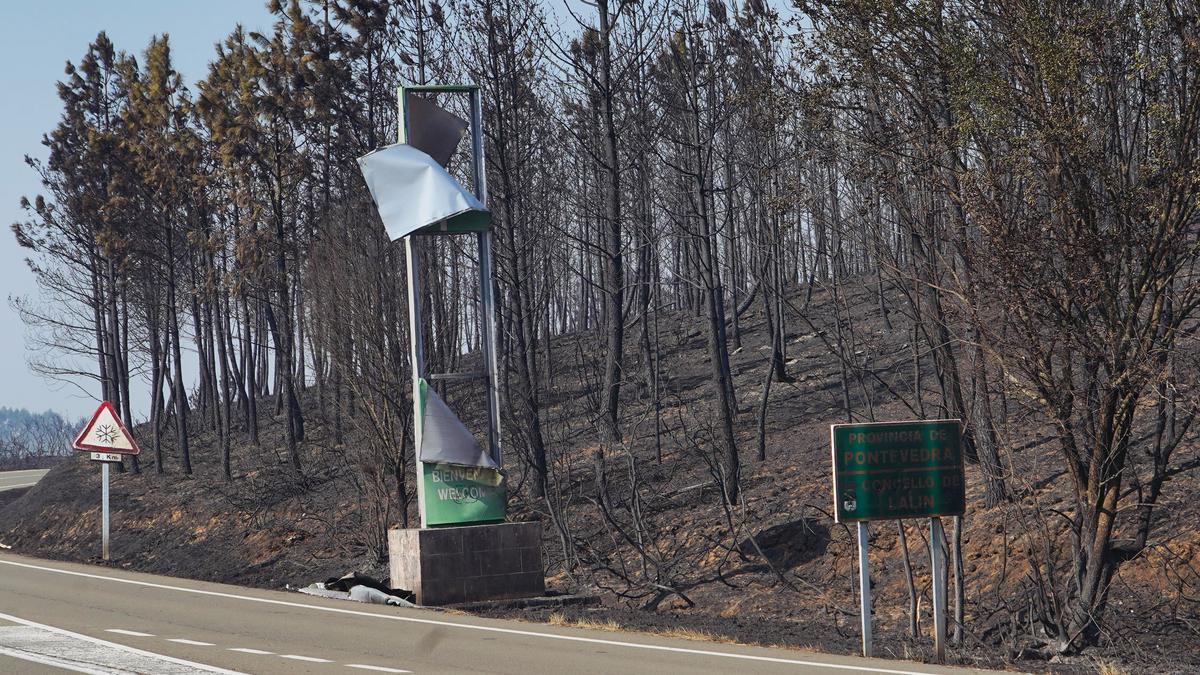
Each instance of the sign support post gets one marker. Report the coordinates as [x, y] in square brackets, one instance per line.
[417, 362]
[864, 588]
[937, 565]
[104, 508]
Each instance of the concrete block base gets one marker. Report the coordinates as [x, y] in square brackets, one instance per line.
[449, 565]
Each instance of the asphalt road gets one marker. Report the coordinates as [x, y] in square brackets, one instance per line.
[10, 480]
[63, 617]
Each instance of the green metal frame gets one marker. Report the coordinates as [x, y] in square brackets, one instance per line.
[491, 502]
[469, 221]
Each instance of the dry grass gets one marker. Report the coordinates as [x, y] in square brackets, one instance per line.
[683, 633]
[608, 624]
[560, 619]
[692, 634]
[1106, 668]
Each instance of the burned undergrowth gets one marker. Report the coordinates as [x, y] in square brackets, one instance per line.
[655, 538]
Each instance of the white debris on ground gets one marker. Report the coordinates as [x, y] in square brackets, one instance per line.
[357, 594]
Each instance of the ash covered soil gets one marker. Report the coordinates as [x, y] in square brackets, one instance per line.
[773, 570]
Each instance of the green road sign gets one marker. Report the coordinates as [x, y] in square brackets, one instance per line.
[460, 495]
[892, 470]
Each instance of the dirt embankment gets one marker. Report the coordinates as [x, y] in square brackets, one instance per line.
[773, 570]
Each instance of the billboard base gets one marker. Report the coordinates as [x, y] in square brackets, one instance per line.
[450, 565]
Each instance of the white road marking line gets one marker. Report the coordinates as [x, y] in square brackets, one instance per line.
[297, 657]
[468, 626]
[116, 645]
[122, 631]
[184, 641]
[51, 661]
[247, 650]
[378, 668]
[14, 487]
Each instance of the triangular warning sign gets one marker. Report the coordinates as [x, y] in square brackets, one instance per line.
[106, 433]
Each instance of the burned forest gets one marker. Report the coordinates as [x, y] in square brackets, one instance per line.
[719, 227]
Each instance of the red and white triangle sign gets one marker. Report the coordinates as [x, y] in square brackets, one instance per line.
[106, 433]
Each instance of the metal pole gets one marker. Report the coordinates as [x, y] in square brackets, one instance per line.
[938, 567]
[416, 339]
[489, 345]
[479, 167]
[104, 509]
[417, 359]
[402, 109]
[486, 296]
[864, 588]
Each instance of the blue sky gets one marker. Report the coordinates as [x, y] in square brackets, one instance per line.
[36, 41]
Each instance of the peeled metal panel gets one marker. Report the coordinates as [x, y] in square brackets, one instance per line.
[432, 129]
[444, 438]
[412, 192]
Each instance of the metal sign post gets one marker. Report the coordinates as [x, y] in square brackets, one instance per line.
[416, 357]
[937, 566]
[104, 508]
[893, 470]
[864, 588]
